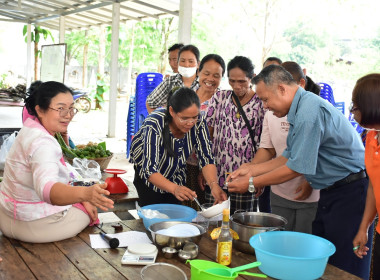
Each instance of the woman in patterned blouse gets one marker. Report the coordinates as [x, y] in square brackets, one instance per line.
[231, 141]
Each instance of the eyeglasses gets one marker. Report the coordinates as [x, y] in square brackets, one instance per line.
[189, 120]
[63, 112]
[352, 109]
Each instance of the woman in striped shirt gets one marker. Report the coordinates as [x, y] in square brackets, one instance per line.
[160, 148]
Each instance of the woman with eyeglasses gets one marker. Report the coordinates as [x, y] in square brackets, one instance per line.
[366, 110]
[160, 148]
[37, 204]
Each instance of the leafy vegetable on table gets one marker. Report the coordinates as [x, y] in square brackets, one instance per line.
[90, 151]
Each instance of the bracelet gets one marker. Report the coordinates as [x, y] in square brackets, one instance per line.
[213, 182]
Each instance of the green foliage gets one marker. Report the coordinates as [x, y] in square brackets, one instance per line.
[35, 35]
[3, 83]
[148, 44]
[102, 87]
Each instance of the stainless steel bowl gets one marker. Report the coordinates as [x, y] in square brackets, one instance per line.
[162, 240]
[247, 224]
[169, 252]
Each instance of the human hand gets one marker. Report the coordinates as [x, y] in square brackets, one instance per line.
[304, 191]
[183, 193]
[359, 242]
[243, 170]
[96, 196]
[218, 194]
[91, 210]
[239, 184]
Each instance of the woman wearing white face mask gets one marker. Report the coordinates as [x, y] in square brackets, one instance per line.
[188, 63]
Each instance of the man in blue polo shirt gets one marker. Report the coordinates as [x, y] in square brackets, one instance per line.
[324, 147]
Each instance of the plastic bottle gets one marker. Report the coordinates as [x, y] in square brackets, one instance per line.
[224, 245]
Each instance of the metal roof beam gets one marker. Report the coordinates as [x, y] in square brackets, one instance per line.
[102, 4]
[139, 12]
[122, 15]
[13, 15]
[156, 7]
[28, 9]
[75, 21]
[88, 17]
[46, 5]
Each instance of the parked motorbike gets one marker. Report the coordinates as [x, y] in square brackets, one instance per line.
[82, 101]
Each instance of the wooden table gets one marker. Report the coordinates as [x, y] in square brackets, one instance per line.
[75, 259]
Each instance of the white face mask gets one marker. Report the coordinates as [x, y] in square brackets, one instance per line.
[187, 72]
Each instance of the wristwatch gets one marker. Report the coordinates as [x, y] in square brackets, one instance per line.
[251, 186]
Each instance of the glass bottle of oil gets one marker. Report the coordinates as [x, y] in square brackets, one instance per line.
[224, 245]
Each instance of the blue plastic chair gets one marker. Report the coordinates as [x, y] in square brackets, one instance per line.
[328, 94]
[130, 123]
[145, 84]
[357, 127]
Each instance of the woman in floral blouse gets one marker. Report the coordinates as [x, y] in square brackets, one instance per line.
[232, 143]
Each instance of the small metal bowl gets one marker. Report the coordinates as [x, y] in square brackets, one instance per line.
[189, 251]
[169, 252]
[184, 255]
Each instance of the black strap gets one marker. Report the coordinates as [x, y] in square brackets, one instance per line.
[242, 113]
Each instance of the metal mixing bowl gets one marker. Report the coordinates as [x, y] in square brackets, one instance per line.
[247, 224]
[162, 240]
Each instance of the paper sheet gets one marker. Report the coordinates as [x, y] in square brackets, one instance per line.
[108, 217]
[125, 239]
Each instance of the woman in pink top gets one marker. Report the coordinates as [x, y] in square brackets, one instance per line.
[35, 196]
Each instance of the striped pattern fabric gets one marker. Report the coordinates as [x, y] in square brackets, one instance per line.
[159, 96]
[149, 155]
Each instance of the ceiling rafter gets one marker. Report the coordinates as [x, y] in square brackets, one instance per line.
[83, 13]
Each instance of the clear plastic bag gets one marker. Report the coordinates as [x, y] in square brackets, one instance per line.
[88, 169]
[7, 141]
[151, 214]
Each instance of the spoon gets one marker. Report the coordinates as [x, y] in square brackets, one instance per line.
[200, 206]
[226, 271]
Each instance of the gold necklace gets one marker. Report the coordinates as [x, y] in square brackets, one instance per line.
[237, 115]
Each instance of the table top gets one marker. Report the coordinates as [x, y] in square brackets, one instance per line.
[75, 259]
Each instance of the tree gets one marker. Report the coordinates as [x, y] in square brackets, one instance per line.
[35, 37]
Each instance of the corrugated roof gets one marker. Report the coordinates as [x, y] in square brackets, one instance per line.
[81, 14]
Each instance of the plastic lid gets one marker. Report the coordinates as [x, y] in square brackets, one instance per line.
[142, 248]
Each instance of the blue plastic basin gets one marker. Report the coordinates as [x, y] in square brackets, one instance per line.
[175, 212]
[292, 255]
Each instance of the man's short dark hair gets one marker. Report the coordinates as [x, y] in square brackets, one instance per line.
[274, 74]
[272, 58]
[175, 47]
